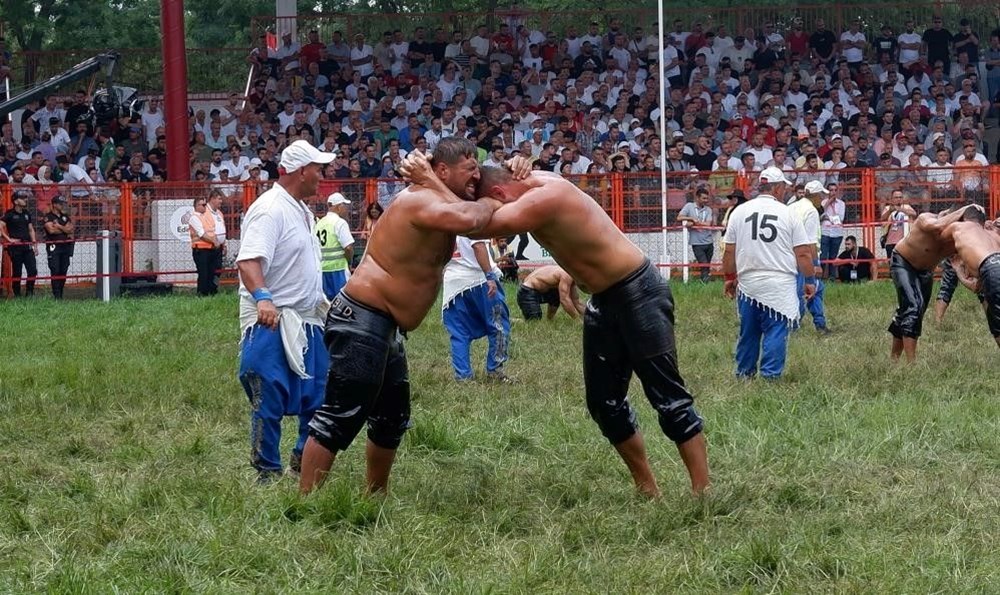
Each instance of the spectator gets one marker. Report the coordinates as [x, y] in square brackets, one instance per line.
[862, 267]
[897, 216]
[832, 231]
[699, 217]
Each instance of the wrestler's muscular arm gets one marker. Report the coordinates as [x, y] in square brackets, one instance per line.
[569, 297]
[532, 210]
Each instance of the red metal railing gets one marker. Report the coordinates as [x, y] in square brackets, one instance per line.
[152, 223]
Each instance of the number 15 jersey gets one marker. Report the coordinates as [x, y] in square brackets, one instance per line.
[765, 232]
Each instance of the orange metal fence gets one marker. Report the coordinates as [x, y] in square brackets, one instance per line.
[152, 218]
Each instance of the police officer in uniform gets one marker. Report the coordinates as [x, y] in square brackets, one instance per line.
[59, 246]
[18, 233]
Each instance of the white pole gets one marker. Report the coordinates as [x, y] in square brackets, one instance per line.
[685, 240]
[663, 146]
[105, 256]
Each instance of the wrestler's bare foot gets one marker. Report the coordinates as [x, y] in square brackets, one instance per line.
[633, 452]
[378, 466]
[694, 453]
[316, 463]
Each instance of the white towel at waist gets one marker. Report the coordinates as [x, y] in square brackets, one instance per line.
[292, 326]
[772, 289]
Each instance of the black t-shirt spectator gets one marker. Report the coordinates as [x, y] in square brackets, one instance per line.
[421, 47]
[885, 46]
[591, 62]
[822, 42]
[437, 48]
[862, 270]
[702, 162]
[937, 41]
[765, 58]
[18, 224]
[971, 49]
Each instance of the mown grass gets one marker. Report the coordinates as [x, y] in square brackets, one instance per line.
[124, 465]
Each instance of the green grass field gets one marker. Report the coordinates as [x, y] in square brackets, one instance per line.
[123, 438]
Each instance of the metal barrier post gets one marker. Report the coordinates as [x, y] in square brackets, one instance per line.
[685, 258]
[128, 229]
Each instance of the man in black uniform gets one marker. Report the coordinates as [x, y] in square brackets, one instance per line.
[59, 246]
[18, 235]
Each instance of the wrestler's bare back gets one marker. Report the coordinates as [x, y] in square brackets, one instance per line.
[927, 243]
[573, 228]
[974, 243]
[544, 278]
[402, 269]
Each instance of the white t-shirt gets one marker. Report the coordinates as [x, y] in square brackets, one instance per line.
[365, 51]
[220, 225]
[151, 122]
[279, 230]
[806, 211]
[766, 233]
[76, 176]
[463, 272]
[401, 49]
[907, 56]
[853, 55]
[236, 166]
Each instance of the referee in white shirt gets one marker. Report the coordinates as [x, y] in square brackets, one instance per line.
[283, 361]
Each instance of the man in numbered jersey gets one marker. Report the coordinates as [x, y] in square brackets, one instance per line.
[474, 306]
[336, 245]
[766, 246]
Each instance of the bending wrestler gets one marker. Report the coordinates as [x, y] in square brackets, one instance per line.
[392, 289]
[912, 270]
[977, 266]
[628, 323]
[552, 286]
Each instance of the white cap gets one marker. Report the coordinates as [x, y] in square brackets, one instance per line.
[772, 174]
[337, 199]
[816, 187]
[256, 162]
[835, 137]
[937, 135]
[300, 154]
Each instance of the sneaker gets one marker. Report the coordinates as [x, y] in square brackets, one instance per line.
[295, 463]
[500, 377]
[825, 331]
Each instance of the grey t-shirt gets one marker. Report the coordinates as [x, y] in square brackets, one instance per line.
[699, 237]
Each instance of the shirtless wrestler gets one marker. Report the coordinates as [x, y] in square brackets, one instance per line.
[628, 323]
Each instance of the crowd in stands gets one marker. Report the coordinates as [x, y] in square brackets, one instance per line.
[808, 99]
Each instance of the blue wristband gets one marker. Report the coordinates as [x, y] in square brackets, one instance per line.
[810, 281]
[262, 294]
[816, 262]
[491, 276]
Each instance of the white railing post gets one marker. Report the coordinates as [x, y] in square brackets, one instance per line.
[685, 257]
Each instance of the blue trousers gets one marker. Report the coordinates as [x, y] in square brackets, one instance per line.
[815, 305]
[761, 330]
[333, 282]
[275, 391]
[829, 248]
[473, 315]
